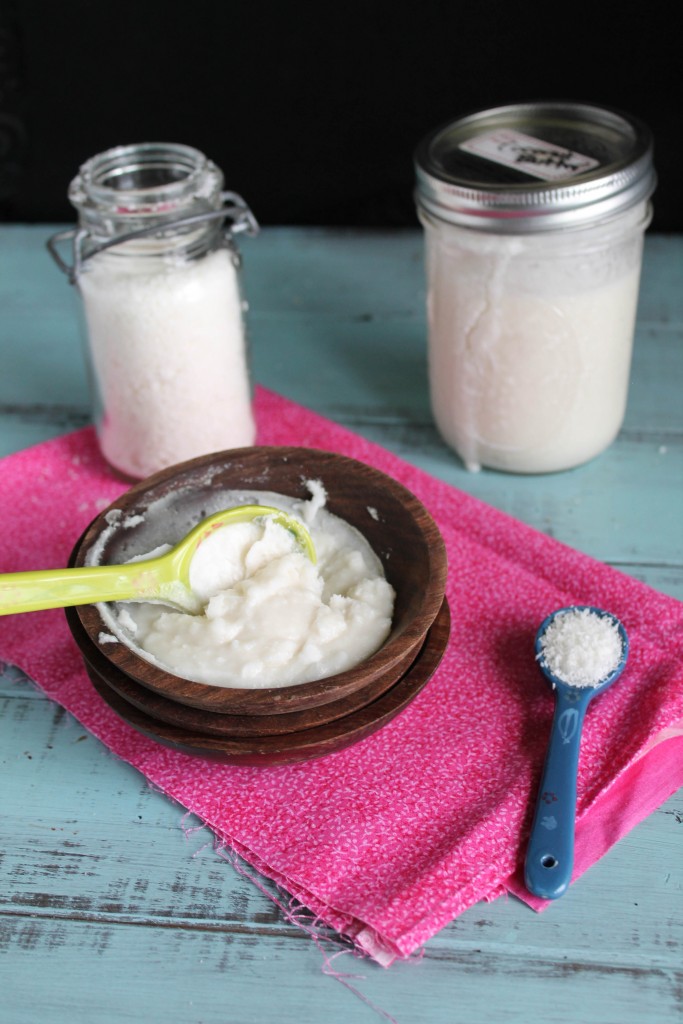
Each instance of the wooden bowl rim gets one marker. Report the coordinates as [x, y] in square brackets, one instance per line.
[271, 700]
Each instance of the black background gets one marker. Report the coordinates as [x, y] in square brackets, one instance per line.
[312, 110]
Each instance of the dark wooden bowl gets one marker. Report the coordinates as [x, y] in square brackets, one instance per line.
[318, 740]
[163, 508]
[212, 723]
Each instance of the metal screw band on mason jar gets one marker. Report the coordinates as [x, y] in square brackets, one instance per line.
[457, 180]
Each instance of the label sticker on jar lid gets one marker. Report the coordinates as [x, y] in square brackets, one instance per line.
[532, 156]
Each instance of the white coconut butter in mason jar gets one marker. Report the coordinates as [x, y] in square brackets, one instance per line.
[534, 219]
[156, 266]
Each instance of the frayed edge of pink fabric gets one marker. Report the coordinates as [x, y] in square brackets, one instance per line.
[296, 913]
[292, 911]
[297, 910]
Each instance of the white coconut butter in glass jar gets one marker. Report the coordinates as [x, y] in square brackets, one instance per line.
[156, 266]
[534, 219]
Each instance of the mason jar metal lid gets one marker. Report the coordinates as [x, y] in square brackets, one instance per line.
[534, 167]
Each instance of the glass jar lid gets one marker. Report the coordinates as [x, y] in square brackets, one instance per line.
[534, 167]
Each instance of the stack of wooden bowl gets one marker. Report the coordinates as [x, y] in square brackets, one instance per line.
[275, 725]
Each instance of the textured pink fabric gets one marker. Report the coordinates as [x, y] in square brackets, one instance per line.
[390, 840]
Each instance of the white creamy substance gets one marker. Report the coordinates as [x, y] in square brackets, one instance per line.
[272, 617]
[168, 351]
[530, 340]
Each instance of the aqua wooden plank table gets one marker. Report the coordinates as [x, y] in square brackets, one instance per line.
[113, 908]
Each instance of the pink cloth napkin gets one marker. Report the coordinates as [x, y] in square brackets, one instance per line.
[391, 839]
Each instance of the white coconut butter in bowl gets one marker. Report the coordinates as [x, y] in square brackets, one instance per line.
[271, 617]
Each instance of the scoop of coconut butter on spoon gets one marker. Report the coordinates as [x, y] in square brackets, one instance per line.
[581, 651]
[164, 579]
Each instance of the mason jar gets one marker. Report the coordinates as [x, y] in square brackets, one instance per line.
[158, 271]
[534, 219]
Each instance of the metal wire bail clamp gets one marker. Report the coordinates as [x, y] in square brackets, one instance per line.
[242, 220]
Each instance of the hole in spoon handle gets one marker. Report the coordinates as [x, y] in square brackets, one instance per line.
[550, 854]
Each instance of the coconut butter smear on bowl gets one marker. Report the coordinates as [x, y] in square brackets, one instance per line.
[271, 618]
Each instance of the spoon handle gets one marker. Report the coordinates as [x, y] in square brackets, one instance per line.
[164, 578]
[550, 854]
[62, 588]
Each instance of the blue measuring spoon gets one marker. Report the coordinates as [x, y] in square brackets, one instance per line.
[550, 854]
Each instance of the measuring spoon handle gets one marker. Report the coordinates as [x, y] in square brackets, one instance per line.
[550, 854]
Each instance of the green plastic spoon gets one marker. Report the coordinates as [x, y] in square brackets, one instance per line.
[165, 579]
